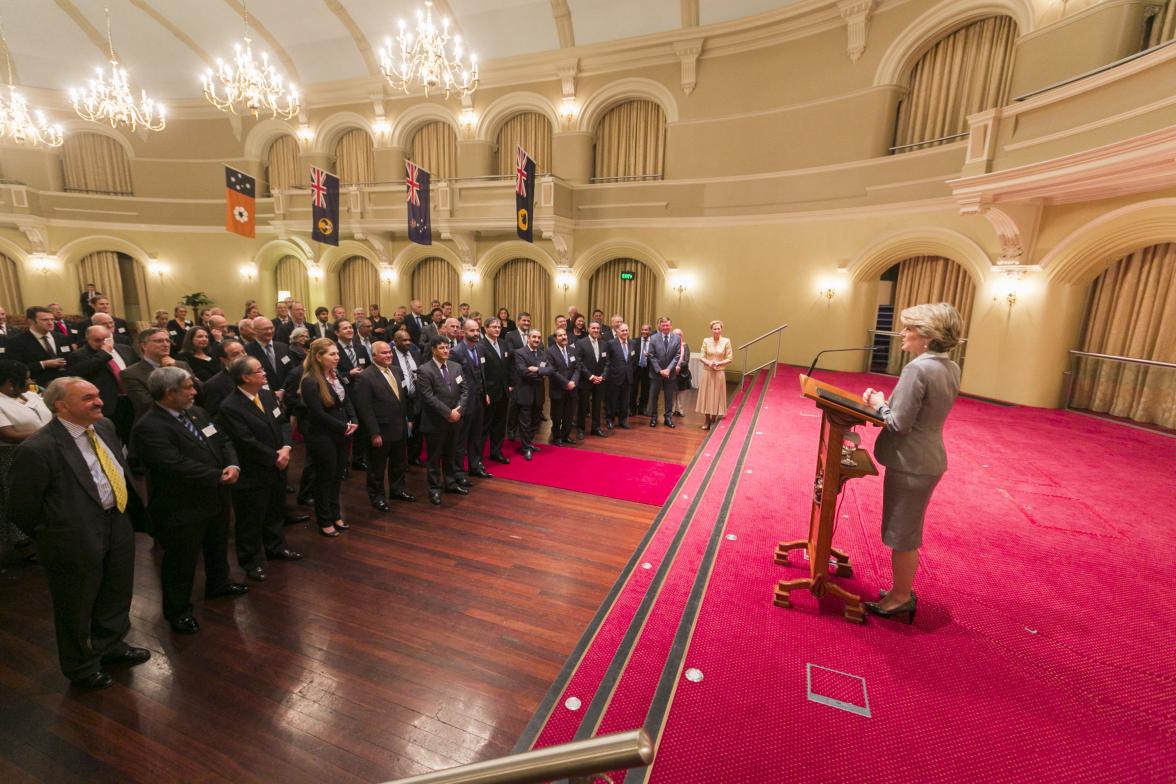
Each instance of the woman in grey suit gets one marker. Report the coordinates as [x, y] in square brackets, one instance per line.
[911, 446]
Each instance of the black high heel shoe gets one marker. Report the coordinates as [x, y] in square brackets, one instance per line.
[342, 526]
[905, 610]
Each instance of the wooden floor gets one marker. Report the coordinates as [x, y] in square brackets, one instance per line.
[418, 640]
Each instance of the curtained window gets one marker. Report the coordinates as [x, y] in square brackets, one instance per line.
[523, 284]
[435, 278]
[291, 276]
[1132, 313]
[283, 166]
[965, 72]
[10, 298]
[1161, 26]
[359, 284]
[631, 141]
[929, 279]
[355, 159]
[120, 278]
[94, 163]
[635, 299]
[434, 149]
[531, 131]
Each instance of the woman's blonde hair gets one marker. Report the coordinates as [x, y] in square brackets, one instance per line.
[716, 321]
[312, 367]
[940, 322]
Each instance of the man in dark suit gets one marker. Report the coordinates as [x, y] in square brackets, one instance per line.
[497, 370]
[664, 352]
[516, 340]
[274, 356]
[155, 352]
[42, 352]
[562, 391]
[64, 330]
[101, 361]
[106, 320]
[407, 357]
[102, 305]
[321, 327]
[444, 396]
[86, 301]
[191, 467]
[71, 491]
[414, 322]
[639, 397]
[379, 404]
[252, 419]
[470, 432]
[606, 333]
[432, 329]
[353, 360]
[592, 356]
[217, 389]
[6, 331]
[530, 368]
[561, 322]
[622, 361]
[281, 317]
[297, 319]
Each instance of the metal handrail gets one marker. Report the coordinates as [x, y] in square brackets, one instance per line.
[1075, 354]
[577, 761]
[959, 135]
[777, 331]
[1093, 71]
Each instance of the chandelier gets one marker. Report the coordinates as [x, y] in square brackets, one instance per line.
[424, 62]
[17, 123]
[247, 85]
[110, 100]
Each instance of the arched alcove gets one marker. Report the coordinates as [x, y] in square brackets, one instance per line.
[625, 286]
[359, 283]
[523, 284]
[435, 277]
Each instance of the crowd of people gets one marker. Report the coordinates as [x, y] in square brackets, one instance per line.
[206, 413]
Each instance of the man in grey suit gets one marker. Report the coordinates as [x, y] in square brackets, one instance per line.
[71, 490]
[154, 346]
[665, 349]
[444, 395]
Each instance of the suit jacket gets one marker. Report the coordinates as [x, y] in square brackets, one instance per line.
[606, 333]
[913, 438]
[362, 360]
[135, 380]
[52, 494]
[529, 383]
[379, 410]
[84, 302]
[257, 435]
[429, 332]
[275, 374]
[65, 330]
[320, 330]
[94, 366]
[122, 330]
[323, 422]
[589, 364]
[663, 353]
[471, 370]
[497, 371]
[27, 348]
[183, 470]
[437, 398]
[620, 370]
[380, 326]
[415, 326]
[176, 331]
[562, 373]
[282, 333]
[216, 391]
[412, 402]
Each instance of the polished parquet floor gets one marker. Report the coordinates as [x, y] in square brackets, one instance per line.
[418, 640]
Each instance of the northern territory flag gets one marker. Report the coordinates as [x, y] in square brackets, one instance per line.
[524, 194]
[240, 192]
[416, 184]
[324, 202]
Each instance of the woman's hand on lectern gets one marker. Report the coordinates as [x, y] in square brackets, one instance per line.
[874, 398]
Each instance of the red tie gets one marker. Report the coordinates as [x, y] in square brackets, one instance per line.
[61, 326]
[117, 371]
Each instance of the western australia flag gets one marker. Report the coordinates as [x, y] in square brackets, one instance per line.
[324, 199]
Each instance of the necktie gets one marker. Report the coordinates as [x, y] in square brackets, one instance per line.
[474, 356]
[269, 354]
[256, 402]
[61, 326]
[117, 371]
[644, 348]
[392, 382]
[48, 346]
[351, 355]
[406, 366]
[596, 350]
[497, 350]
[564, 351]
[625, 350]
[117, 483]
[191, 428]
[445, 375]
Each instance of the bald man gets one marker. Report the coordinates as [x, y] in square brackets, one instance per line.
[273, 355]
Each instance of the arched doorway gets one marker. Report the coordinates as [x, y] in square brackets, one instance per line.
[120, 278]
[914, 281]
[523, 284]
[627, 287]
[435, 279]
[359, 283]
[10, 296]
[290, 276]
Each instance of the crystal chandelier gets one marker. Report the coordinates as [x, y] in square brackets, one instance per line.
[424, 62]
[110, 100]
[17, 123]
[249, 86]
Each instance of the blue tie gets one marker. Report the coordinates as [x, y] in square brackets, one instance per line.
[191, 428]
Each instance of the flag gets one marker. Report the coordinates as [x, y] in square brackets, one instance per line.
[416, 185]
[524, 193]
[324, 200]
[240, 191]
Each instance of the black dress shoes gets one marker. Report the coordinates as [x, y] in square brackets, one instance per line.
[256, 573]
[670, 422]
[500, 458]
[294, 519]
[482, 473]
[624, 425]
[527, 455]
[359, 465]
[93, 681]
[379, 505]
[130, 657]
[402, 496]
[535, 448]
[457, 489]
[417, 462]
[567, 442]
[653, 421]
[600, 433]
[185, 624]
[284, 555]
[231, 589]
[435, 497]
[289, 490]
[467, 484]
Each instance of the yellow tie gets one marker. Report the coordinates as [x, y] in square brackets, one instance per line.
[113, 475]
[257, 402]
[392, 382]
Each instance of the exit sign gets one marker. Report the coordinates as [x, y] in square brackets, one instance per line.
[627, 275]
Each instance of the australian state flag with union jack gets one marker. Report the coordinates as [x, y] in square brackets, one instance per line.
[524, 194]
[324, 201]
[416, 184]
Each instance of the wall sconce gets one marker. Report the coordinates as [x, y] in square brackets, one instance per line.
[469, 276]
[382, 127]
[564, 280]
[568, 110]
[305, 134]
[468, 119]
[1008, 285]
[387, 274]
[157, 268]
[248, 271]
[681, 282]
[315, 272]
[43, 263]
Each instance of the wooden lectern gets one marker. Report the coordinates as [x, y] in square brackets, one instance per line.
[840, 411]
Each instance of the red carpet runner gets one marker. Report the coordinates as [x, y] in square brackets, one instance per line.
[597, 473]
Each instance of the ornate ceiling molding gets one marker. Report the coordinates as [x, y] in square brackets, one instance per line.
[856, 14]
[688, 52]
[689, 13]
[562, 16]
[361, 42]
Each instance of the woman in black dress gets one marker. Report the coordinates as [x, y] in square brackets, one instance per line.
[194, 351]
[327, 426]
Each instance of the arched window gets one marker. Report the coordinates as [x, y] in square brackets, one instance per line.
[1131, 313]
[631, 142]
[634, 297]
[355, 159]
[121, 279]
[532, 132]
[290, 274]
[923, 279]
[10, 297]
[435, 278]
[1161, 26]
[434, 149]
[359, 283]
[283, 168]
[965, 72]
[523, 284]
[95, 163]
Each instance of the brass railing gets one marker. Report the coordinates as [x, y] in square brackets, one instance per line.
[579, 762]
[1075, 355]
[1093, 71]
[778, 332]
[941, 139]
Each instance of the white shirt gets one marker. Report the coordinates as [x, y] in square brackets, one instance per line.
[82, 441]
[41, 340]
[28, 409]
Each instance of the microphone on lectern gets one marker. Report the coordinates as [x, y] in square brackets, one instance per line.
[813, 366]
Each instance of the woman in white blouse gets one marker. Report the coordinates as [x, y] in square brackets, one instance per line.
[21, 412]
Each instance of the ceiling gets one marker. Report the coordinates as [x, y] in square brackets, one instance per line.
[167, 44]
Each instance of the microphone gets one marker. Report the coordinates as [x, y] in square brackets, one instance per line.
[831, 351]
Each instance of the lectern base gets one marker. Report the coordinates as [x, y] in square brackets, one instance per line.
[819, 584]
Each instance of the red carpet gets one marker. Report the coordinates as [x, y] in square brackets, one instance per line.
[1042, 650]
[597, 473]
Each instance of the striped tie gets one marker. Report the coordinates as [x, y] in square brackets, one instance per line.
[192, 427]
[113, 475]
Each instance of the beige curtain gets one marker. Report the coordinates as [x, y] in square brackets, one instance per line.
[96, 163]
[355, 160]
[523, 284]
[359, 283]
[101, 269]
[435, 279]
[1132, 313]
[964, 73]
[10, 297]
[282, 168]
[137, 309]
[531, 131]
[1163, 25]
[291, 276]
[434, 149]
[631, 141]
[929, 279]
[635, 299]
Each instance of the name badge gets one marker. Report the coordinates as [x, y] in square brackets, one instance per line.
[122, 329]
[277, 413]
[603, 354]
[286, 360]
[362, 361]
[457, 380]
[64, 349]
[542, 364]
[209, 431]
[483, 360]
[3, 350]
[571, 360]
[73, 332]
[171, 332]
[265, 386]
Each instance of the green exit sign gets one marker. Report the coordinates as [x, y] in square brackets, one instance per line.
[626, 275]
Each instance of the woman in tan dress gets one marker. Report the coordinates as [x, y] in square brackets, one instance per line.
[712, 386]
